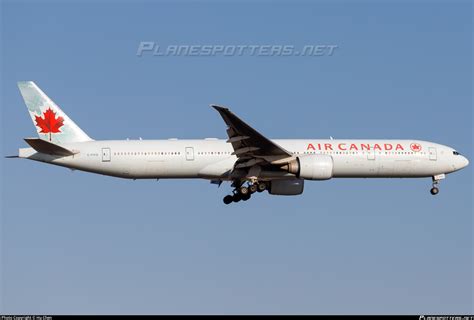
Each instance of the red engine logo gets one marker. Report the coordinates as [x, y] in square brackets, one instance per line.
[415, 147]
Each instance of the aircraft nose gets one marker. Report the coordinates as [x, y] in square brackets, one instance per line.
[465, 162]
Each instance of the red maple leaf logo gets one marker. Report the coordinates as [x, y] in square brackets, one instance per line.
[49, 124]
[415, 147]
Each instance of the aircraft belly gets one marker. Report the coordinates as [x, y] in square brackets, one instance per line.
[168, 169]
[219, 169]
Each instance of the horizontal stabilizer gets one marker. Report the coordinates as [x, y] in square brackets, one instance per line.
[47, 147]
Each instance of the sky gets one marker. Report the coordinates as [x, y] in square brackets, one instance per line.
[74, 242]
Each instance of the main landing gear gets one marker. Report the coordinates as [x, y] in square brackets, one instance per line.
[245, 192]
[435, 190]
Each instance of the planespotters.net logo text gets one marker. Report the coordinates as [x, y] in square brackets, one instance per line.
[151, 48]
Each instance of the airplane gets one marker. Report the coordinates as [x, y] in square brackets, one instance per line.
[250, 161]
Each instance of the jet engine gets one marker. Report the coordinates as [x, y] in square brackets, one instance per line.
[286, 187]
[311, 167]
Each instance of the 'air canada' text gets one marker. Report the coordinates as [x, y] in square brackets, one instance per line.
[354, 147]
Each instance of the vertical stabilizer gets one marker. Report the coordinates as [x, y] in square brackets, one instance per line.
[51, 123]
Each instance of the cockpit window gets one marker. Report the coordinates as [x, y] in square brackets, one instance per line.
[456, 153]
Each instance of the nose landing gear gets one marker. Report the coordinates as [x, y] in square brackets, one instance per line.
[435, 190]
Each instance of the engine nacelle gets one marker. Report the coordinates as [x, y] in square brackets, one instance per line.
[311, 167]
[286, 187]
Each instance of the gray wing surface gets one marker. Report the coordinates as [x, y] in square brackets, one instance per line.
[249, 145]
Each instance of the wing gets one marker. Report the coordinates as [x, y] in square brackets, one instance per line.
[249, 145]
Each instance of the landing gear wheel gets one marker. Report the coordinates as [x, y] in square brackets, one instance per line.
[434, 191]
[436, 179]
[228, 199]
[236, 197]
[246, 197]
[253, 188]
[244, 191]
[261, 187]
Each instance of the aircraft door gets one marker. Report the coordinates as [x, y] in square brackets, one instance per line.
[189, 153]
[105, 154]
[371, 155]
[433, 155]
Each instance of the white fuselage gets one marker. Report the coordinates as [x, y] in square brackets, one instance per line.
[213, 159]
